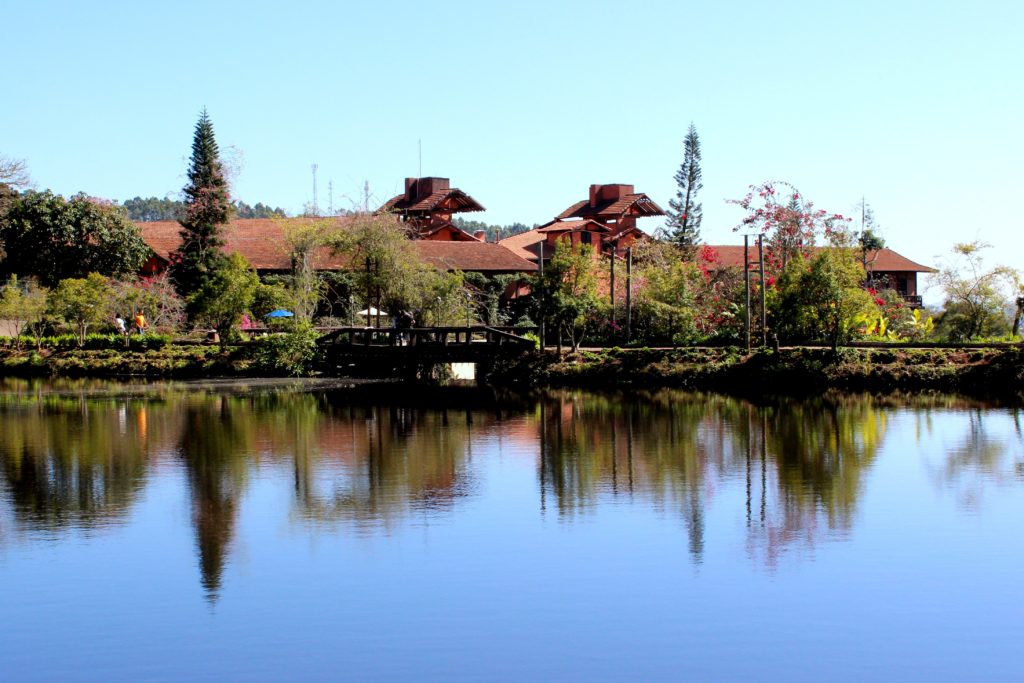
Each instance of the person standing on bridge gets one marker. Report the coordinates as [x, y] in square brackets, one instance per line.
[403, 323]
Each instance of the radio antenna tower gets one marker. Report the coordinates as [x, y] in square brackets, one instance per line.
[315, 209]
[330, 197]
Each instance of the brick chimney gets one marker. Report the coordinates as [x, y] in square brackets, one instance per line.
[481, 235]
[418, 188]
[614, 191]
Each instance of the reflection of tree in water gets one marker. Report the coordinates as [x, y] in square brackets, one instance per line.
[216, 439]
[813, 455]
[383, 463]
[71, 462]
[987, 453]
[802, 461]
[663, 447]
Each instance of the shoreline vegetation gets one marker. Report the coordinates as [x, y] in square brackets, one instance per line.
[980, 371]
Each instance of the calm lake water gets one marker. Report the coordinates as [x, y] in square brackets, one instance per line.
[288, 532]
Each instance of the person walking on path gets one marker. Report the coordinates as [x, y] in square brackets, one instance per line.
[140, 323]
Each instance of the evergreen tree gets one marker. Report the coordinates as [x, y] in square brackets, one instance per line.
[684, 214]
[207, 207]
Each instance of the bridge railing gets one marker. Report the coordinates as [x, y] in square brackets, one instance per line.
[427, 336]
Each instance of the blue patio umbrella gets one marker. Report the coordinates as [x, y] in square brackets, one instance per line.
[280, 313]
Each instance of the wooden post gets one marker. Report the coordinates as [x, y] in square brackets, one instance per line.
[540, 324]
[369, 293]
[746, 289]
[611, 280]
[764, 309]
[629, 293]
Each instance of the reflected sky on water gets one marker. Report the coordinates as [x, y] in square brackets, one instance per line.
[288, 532]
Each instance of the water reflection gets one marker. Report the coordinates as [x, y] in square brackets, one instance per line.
[71, 463]
[216, 434]
[980, 456]
[792, 472]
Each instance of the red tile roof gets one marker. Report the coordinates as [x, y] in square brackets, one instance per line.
[886, 260]
[638, 202]
[457, 200]
[480, 257]
[458, 234]
[573, 226]
[262, 242]
[524, 245]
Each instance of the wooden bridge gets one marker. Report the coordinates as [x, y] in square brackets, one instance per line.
[425, 344]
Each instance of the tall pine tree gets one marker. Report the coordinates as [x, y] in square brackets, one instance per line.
[684, 214]
[207, 207]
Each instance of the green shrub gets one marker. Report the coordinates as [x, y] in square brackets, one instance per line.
[292, 353]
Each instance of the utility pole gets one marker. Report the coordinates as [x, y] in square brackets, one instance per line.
[764, 310]
[540, 326]
[746, 289]
[611, 279]
[316, 210]
[629, 293]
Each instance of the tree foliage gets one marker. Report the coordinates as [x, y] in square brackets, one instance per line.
[387, 273]
[153, 296]
[977, 296]
[52, 238]
[792, 225]
[82, 302]
[224, 296]
[13, 178]
[669, 292]
[307, 286]
[166, 209]
[685, 213]
[567, 290]
[207, 208]
[23, 304]
[492, 233]
[823, 299]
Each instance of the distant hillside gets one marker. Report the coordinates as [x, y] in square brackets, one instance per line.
[494, 232]
[157, 209]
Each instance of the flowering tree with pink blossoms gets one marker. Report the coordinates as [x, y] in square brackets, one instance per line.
[790, 223]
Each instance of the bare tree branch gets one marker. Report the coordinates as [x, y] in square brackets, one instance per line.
[14, 172]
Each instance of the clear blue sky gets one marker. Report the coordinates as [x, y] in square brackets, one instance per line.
[916, 105]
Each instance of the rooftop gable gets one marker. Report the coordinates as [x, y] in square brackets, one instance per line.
[635, 204]
[885, 260]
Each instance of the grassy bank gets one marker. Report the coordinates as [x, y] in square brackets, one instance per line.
[812, 370]
[981, 371]
[171, 361]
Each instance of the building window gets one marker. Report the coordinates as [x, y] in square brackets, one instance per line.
[585, 237]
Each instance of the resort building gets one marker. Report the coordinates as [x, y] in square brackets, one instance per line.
[427, 207]
[886, 268]
[606, 220]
